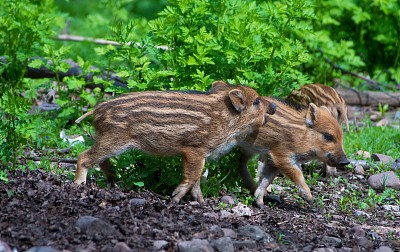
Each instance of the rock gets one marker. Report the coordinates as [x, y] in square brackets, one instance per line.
[363, 154]
[359, 170]
[363, 242]
[223, 244]
[225, 214]
[273, 199]
[385, 179]
[357, 231]
[325, 250]
[195, 245]
[363, 163]
[361, 213]
[122, 247]
[229, 233]
[392, 208]
[255, 233]
[382, 158]
[383, 122]
[329, 240]
[4, 247]
[248, 244]
[42, 249]
[94, 226]
[395, 166]
[212, 215]
[160, 244]
[227, 200]
[137, 202]
[383, 249]
[242, 210]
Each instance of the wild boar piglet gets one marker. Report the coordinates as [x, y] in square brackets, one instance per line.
[195, 125]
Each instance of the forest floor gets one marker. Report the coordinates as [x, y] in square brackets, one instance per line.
[42, 211]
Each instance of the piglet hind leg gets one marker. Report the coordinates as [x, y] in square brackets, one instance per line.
[98, 154]
[193, 163]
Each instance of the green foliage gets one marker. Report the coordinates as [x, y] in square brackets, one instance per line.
[359, 36]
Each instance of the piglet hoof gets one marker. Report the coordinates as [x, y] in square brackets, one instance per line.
[260, 205]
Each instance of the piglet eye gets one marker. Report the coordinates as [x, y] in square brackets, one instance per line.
[328, 137]
[256, 102]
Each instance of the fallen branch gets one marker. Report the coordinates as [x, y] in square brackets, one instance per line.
[57, 160]
[368, 98]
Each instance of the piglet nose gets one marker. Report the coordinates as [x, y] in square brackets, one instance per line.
[344, 162]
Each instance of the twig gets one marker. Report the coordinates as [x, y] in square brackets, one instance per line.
[58, 160]
[344, 71]
[67, 37]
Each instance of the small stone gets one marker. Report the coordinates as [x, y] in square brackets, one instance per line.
[392, 208]
[363, 242]
[160, 244]
[364, 154]
[225, 214]
[223, 244]
[248, 244]
[359, 170]
[94, 226]
[361, 213]
[395, 166]
[42, 249]
[383, 122]
[4, 247]
[227, 200]
[213, 215]
[357, 231]
[363, 163]
[195, 245]
[324, 250]
[382, 158]
[273, 198]
[255, 233]
[384, 249]
[385, 179]
[229, 233]
[336, 242]
[122, 247]
[137, 202]
[242, 210]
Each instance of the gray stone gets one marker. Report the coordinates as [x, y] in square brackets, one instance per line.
[213, 215]
[229, 233]
[395, 166]
[223, 244]
[160, 244]
[364, 154]
[255, 233]
[225, 214]
[382, 158]
[249, 244]
[393, 208]
[242, 210]
[195, 245]
[329, 240]
[122, 247]
[363, 242]
[325, 250]
[94, 226]
[137, 202]
[385, 179]
[384, 249]
[42, 249]
[357, 231]
[227, 200]
[4, 247]
[363, 163]
[359, 170]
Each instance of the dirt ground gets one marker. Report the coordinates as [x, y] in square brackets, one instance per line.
[39, 209]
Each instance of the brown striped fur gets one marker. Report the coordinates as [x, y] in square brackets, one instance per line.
[290, 138]
[195, 125]
[322, 95]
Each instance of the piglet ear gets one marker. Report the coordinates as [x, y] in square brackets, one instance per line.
[218, 85]
[311, 115]
[238, 99]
